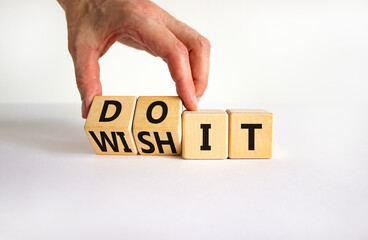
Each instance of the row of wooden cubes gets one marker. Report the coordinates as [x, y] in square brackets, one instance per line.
[151, 126]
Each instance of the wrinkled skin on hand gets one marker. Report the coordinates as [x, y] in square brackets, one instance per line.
[94, 25]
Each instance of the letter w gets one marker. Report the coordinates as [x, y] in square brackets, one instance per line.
[104, 139]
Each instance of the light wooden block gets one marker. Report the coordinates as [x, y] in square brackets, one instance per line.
[205, 134]
[250, 133]
[109, 125]
[156, 126]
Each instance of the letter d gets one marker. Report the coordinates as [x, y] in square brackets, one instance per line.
[117, 105]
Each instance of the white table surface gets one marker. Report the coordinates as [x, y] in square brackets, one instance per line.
[53, 186]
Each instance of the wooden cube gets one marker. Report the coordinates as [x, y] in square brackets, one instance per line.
[156, 126]
[109, 125]
[250, 133]
[205, 134]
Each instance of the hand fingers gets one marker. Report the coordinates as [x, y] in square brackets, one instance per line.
[199, 52]
[161, 42]
[87, 73]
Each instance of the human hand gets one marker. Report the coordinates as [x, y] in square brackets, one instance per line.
[94, 25]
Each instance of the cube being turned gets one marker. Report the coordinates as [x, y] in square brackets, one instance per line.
[250, 133]
[156, 126]
[109, 125]
[205, 134]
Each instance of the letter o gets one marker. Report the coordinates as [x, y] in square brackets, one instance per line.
[150, 109]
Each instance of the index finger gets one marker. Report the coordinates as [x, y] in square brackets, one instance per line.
[199, 52]
[162, 42]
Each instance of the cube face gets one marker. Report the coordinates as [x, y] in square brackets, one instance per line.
[156, 126]
[109, 125]
[205, 134]
[250, 133]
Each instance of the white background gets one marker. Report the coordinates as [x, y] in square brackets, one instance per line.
[263, 53]
[306, 61]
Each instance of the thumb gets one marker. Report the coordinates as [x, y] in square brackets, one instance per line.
[87, 74]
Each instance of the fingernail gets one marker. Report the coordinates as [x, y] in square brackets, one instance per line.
[83, 108]
[198, 99]
[195, 100]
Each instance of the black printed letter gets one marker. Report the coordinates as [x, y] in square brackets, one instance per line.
[251, 128]
[104, 138]
[144, 141]
[103, 117]
[164, 112]
[122, 137]
[205, 143]
[160, 142]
